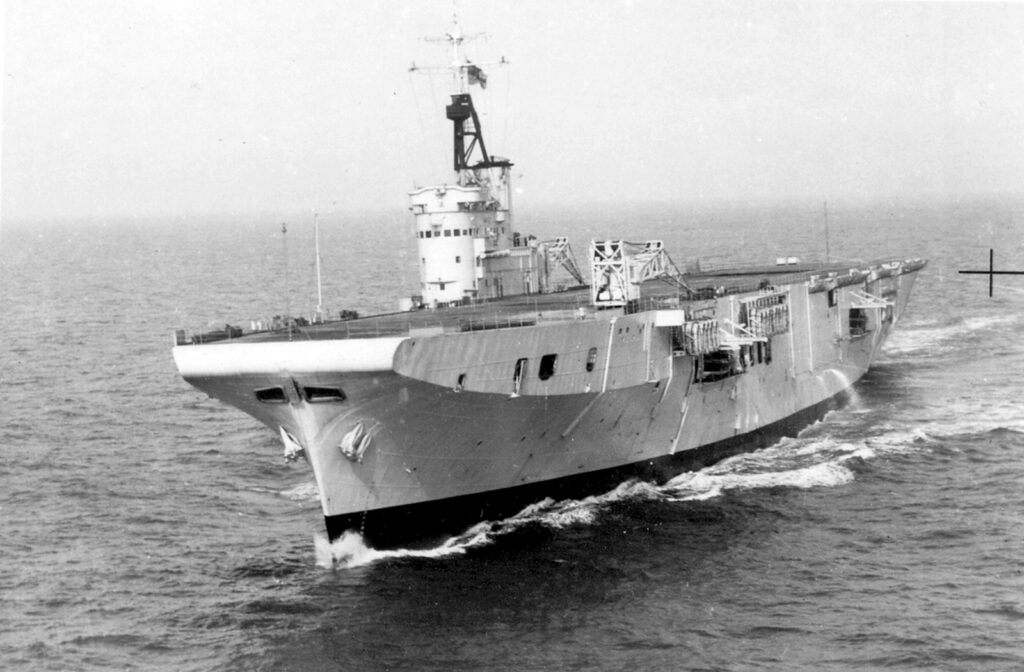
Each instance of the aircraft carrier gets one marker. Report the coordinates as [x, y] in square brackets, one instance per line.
[518, 374]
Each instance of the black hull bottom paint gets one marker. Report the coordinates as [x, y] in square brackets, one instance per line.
[428, 523]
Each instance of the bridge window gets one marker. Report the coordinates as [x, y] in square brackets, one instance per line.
[447, 233]
[547, 366]
[458, 232]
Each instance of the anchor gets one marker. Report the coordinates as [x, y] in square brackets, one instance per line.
[292, 449]
[354, 444]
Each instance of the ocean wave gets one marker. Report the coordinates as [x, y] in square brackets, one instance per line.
[977, 415]
[350, 549]
[702, 486]
[303, 492]
[935, 338]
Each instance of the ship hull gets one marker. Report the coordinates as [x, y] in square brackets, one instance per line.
[431, 432]
[434, 521]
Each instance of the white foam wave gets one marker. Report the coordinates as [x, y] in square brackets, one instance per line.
[944, 337]
[906, 341]
[303, 492]
[569, 512]
[703, 485]
[791, 463]
[893, 442]
[350, 550]
[990, 321]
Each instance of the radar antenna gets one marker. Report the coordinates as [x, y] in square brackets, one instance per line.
[464, 73]
[468, 134]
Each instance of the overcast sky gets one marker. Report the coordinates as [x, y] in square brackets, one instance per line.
[143, 107]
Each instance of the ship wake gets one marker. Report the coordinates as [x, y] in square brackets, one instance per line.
[935, 339]
[802, 463]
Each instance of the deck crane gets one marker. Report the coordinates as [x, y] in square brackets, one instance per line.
[559, 253]
[618, 269]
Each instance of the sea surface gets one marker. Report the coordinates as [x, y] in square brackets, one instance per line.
[144, 526]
